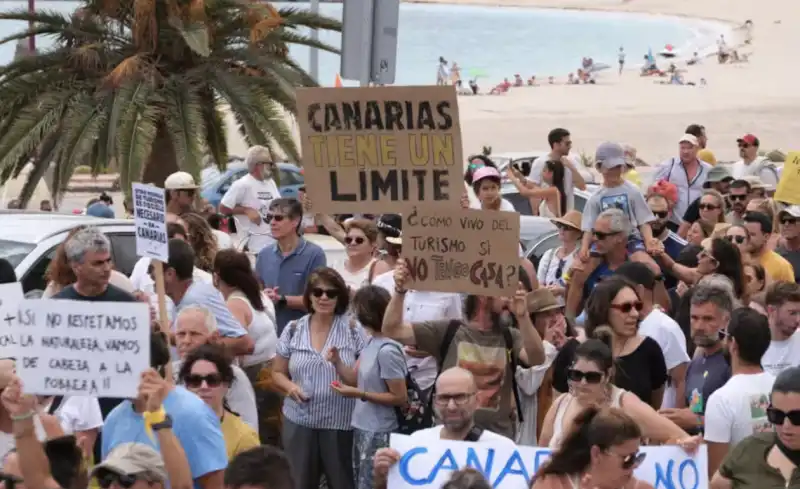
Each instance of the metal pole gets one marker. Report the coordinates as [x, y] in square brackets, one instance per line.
[314, 53]
[32, 39]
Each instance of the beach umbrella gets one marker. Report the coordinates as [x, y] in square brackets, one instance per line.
[668, 51]
[338, 81]
[475, 73]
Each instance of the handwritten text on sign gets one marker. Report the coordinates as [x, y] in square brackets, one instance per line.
[428, 464]
[380, 146]
[789, 185]
[149, 211]
[463, 250]
[83, 348]
[10, 297]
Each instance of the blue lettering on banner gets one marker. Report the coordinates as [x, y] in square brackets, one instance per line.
[673, 474]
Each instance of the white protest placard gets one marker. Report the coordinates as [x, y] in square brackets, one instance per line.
[150, 216]
[82, 348]
[10, 298]
[429, 463]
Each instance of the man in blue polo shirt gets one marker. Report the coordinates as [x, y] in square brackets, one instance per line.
[284, 266]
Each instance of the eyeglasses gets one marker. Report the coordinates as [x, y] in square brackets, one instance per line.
[631, 460]
[600, 236]
[576, 375]
[274, 217]
[777, 417]
[357, 240]
[459, 399]
[789, 220]
[707, 207]
[737, 197]
[194, 381]
[661, 214]
[10, 481]
[108, 478]
[627, 307]
[329, 293]
[736, 239]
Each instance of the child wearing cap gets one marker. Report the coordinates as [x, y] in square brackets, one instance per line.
[616, 192]
[485, 181]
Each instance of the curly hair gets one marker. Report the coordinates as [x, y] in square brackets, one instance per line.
[201, 237]
[59, 271]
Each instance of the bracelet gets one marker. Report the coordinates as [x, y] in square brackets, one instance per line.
[23, 417]
[398, 290]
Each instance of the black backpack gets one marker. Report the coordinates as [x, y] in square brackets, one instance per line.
[416, 414]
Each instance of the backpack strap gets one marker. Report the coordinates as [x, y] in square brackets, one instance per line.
[371, 274]
[55, 404]
[512, 363]
[452, 329]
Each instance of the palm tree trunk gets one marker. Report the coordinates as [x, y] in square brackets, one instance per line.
[162, 162]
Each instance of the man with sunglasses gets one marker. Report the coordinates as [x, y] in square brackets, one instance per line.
[179, 192]
[249, 198]
[752, 165]
[739, 196]
[673, 244]
[789, 246]
[768, 459]
[736, 410]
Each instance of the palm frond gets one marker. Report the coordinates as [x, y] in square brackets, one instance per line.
[186, 124]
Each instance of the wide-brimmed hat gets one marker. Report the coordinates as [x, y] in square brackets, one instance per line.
[541, 300]
[392, 227]
[134, 459]
[571, 219]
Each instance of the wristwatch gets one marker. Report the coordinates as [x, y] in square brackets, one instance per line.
[281, 301]
[164, 425]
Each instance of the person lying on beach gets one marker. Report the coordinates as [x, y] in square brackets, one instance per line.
[532, 81]
[501, 88]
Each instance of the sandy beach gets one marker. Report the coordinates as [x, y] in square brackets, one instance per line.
[759, 97]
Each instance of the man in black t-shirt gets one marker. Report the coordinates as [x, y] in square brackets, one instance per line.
[89, 255]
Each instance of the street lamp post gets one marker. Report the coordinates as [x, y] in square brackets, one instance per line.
[313, 52]
[32, 39]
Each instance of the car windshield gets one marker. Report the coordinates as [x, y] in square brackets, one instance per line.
[15, 251]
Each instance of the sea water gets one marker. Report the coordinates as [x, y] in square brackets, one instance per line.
[491, 42]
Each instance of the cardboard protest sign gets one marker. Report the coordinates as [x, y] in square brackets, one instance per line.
[427, 463]
[10, 297]
[82, 348]
[462, 250]
[150, 216]
[377, 148]
[789, 185]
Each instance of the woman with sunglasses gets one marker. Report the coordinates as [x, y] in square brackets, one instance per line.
[359, 241]
[600, 451]
[711, 207]
[737, 235]
[591, 384]
[555, 262]
[206, 371]
[641, 368]
[771, 458]
[317, 426]
[721, 257]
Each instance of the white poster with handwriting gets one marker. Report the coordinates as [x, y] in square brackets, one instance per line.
[427, 464]
[82, 348]
[10, 298]
[150, 216]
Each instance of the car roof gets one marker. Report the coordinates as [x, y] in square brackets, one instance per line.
[35, 226]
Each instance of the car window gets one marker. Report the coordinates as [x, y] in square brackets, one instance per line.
[123, 251]
[580, 202]
[34, 278]
[230, 179]
[15, 251]
[289, 178]
[535, 254]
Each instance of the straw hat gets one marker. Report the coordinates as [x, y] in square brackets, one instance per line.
[571, 219]
[541, 300]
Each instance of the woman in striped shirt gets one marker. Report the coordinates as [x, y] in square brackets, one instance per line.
[316, 418]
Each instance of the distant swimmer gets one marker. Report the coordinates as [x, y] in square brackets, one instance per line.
[621, 57]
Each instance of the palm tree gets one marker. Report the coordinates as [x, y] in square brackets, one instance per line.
[142, 85]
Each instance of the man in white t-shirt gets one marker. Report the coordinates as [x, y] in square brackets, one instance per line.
[454, 403]
[738, 409]
[560, 145]
[249, 198]
[663, 329]
[753, 165]
[783, 311]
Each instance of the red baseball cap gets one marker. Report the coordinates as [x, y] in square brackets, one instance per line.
[749, 139]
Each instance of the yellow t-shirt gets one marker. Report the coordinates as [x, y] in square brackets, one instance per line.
[777, 267]
[239, 437]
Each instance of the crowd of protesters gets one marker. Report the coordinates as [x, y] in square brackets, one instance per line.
[667, 314]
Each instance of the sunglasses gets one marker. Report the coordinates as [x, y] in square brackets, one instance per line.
[274, 217]
[194, 381]
[108, 478]
[600, 236]
[737, 197]
[10, 481]
[350, 240]
[329, 293]
[627, 307]
[579, 375]
[632, 460]
[787, 221]
[661, 214]
[707, 207]
[777, 417]
[736, 239]
[475, 166]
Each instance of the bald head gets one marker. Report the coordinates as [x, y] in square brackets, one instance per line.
[456, 379]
